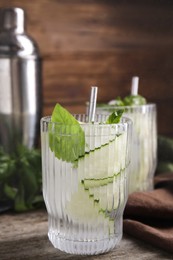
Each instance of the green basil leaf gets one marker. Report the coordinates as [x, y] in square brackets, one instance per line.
[134, 100]
[10, 191]
[66, 137]
[19, 202]
[115, 117]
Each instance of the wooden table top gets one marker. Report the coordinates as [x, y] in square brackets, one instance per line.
[24, 236]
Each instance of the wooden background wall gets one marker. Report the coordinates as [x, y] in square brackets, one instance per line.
[103, 43]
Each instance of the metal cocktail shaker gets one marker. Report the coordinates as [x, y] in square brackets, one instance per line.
[20, 82]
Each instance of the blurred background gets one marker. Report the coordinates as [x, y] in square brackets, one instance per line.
[103, 43]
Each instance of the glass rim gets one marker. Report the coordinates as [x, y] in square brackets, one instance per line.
[127, 121]
[148, 105]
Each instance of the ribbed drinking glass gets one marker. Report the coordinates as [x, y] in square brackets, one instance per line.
[85, 199]
[144, 144]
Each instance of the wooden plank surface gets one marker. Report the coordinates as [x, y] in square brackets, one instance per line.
[104, 43]
[24, 237]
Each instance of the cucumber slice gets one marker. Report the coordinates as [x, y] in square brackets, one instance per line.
[90, 183]
[82, 209]
[109, 196]
[97, 136]
[105, 161]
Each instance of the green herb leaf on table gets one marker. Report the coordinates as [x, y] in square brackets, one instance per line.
[20, 179]
[66, 137]
[165, 154]
[165, 148]
[164, 166]
[7, 165]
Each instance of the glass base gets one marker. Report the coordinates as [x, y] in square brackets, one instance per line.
[90, 247]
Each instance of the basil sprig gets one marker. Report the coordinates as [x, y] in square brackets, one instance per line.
[20, 179]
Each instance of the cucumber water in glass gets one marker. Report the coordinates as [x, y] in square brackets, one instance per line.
[85, 180]
[144, 139]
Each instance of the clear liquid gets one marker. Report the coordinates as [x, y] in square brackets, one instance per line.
[144, 144]
[144, 150]
[85, 202]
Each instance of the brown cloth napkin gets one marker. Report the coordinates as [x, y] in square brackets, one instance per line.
[149, 215]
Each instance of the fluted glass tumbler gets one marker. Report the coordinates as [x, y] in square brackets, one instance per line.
[144, 144]
[85, 196]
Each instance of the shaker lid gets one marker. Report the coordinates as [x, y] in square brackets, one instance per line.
[12, 19]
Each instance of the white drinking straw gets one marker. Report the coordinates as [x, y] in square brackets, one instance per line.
[134, 87]
[92, 104]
